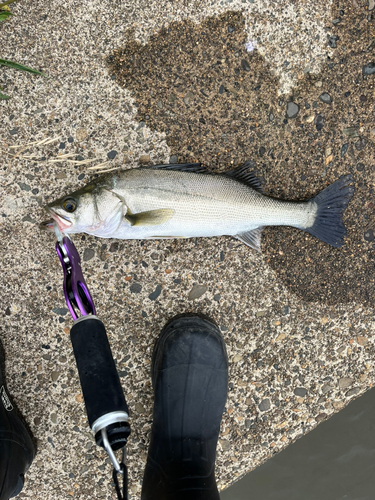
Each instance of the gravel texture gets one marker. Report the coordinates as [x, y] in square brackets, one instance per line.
[152, 82]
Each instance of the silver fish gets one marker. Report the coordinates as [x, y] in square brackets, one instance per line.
[184, 201]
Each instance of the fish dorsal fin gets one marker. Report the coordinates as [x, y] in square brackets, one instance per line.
[251, 238]
[182, 167]
[243, 174]
[150, 218]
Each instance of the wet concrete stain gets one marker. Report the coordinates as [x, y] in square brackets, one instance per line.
[218, 104]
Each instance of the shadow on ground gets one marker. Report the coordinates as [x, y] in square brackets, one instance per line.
[217, 103]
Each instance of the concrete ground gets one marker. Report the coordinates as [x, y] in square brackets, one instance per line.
[152, 82]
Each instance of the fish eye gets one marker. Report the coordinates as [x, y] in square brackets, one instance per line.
[69, 204]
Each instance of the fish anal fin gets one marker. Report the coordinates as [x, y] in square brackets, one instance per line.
[243, 174]
[182, 167]
[150, 218]
[251, 238]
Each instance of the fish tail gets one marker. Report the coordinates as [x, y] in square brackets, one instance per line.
[331, 203]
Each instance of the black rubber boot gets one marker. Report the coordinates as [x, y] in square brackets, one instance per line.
[190, 380]
[17, 449]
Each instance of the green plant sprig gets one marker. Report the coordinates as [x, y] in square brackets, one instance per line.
[5, 14]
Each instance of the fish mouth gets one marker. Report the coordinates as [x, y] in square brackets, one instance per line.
[62, 222]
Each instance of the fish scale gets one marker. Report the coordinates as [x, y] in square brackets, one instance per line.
[204, 204]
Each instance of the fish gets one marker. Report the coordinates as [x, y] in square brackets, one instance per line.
[186, 201]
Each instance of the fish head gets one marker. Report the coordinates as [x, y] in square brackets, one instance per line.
[93, 209]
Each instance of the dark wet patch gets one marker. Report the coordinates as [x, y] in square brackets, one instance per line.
[218, 104]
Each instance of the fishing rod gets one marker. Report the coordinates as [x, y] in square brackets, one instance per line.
[104, 398]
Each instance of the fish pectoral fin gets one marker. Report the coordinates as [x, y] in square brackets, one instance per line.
[251, 238]
[150, 218]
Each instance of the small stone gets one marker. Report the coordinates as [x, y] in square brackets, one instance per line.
[300, 391]
[332, 41]
[310, 118]
[338, 405]
[61, 311]
[27, 218]
[271, 117]
[353, 392]
[226, 445]
[245, 65]
[23, 186]
[282, 424]
[114, 247]
[319, 122]
[54, 418]
[144, 159]
[88, 254]
[221, 89]
[369, 235]
[326, 388]
[237, 358]
[135, 288]
[112, 154]
[264, 405]
[319, 84]
[350, 132]
[14, 131]
[320, 417]
[217, 297]
[79, 398]
[159, 104]
[260, 314]
[230, 29]
[197, 291]
[139, 408]
[62, 145]
[173, 159]
[329, 159]
[360, 144]
[37, 421]
[70, 139]
[344, 149]
[326, 98]
[81, 176]
[155, 294]
[81, 134]
[280, 337]
[55, 376]
[362, 340]
[369, 69]
[371, 4]
[292, 109]
[345, 382]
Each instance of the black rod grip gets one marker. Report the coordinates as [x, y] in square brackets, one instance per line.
[100, 382]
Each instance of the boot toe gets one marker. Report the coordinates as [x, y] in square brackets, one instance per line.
[189, 340]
